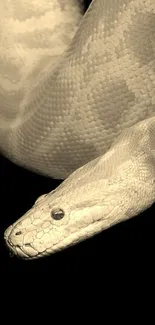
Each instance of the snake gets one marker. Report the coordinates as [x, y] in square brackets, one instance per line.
[77, 103]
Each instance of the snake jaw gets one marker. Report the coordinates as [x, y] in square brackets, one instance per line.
[24, 252]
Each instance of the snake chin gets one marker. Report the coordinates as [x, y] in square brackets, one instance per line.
[21, 252]
[25, 252]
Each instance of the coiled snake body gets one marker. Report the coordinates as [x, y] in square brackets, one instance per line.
[78, 103]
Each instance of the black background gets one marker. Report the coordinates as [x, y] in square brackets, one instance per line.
[124, 246]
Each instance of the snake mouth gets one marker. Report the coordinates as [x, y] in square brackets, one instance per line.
[13, 250]
[16, 250]
[24, 252]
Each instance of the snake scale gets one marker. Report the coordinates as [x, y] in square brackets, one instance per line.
[77, 103]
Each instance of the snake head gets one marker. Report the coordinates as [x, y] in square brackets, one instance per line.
[71, 213]
[52, 224]
[55, 221]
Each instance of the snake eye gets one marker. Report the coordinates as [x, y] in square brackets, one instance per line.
[57, 214]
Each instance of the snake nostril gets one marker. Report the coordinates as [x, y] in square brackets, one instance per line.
[18, 233]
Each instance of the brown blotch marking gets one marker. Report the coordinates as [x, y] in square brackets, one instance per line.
[140, 37]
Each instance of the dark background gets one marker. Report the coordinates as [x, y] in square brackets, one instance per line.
[124, 246]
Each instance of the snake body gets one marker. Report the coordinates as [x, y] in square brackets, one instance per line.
[78, 103]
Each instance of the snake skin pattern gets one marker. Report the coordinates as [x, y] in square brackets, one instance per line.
[77, 103]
